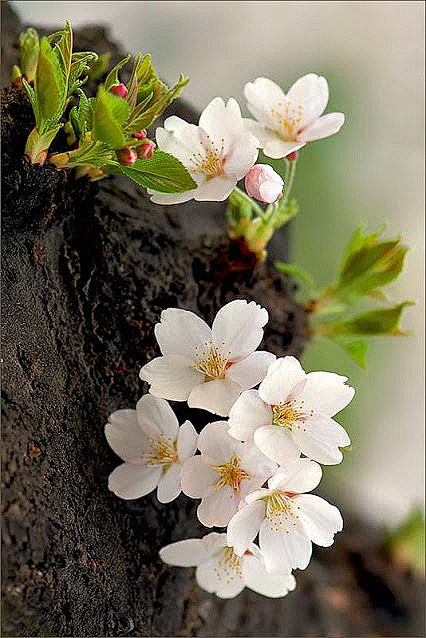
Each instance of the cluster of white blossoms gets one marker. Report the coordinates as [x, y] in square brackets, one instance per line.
[250, 475]
[223, 148]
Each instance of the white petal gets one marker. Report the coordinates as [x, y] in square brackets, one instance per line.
[276, 148]
[131, 481]
[214, 542]
[270, 191]
[257, 495]
[215, 396]
[247, 414]
[244, 526]
[282, 551]
[187, 441]
[321, 439]
[241, 155]
[282, 377]
[125, 436]
[171, 377]
[320, 519]
[156, 417]
[257, 465]
[322, 127]
[273, 585]
[213, 578]
[240, 325]
[252, 370]
[187, 553]
[302, 475]
[216, 189]
[169, 486]
[310, 92]
[170, 199]
[217, 509]
[180, 331]
[276, 443]
[325, 392]
[222, 122]
[198, 479]
[215, 442]
[261, 96]
[259, 131]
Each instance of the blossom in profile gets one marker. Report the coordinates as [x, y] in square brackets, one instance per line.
[209, 367]
[153, 448]
[224, 473]
[285, 122]
[217, 153]
[287, 519]
[264, 184]
[220, 571]
[292, 412]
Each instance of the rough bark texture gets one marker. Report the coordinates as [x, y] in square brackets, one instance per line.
[87, 270]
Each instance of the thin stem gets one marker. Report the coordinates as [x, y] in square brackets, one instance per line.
[289, 181]
[249, 200]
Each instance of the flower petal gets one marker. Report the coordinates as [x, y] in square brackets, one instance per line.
[216, 189]
[276, 443]
[325, 392]
[247, 414]
[242, 155]
[259, 131]
[222, 122]
[215, 396]
[187, 553]
[240, 325]
[169, 486]
[320, 519]
[198, 479]
[156, 417]
[276, 148]
[251, 370]
[321, 439]
[273, 585]
[322, 127]
[244, 526]
[220, 579]
[171, 377]
[214, 441]
[167, 199]
[187, 441]
[131, 481]
[180, 331]
[284, 551]
[125, 436]
[302, 475]
[217, 509]
[261, 96]
[282, 377]
[311, 93]
[257, 465]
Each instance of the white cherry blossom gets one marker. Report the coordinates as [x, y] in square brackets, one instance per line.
[209, 367]
[288, 520]
[220, 571]
[292, 413]
[224, 473]
[217, 153]
[153, 448]
[286, 122]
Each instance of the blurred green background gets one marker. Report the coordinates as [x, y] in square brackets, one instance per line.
[372, 55]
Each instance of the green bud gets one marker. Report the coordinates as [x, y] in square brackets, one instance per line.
[29, 44]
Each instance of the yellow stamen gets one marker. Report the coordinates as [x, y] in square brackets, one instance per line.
[163, 452]
[231, 474]
[211, 361]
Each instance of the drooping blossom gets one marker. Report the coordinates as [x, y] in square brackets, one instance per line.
[209, 367]
[292, 413]
[263, 183]
[224, 473]
[153, 448]
[287, 520]
[220, 571]
[217, 153]
[286, 122]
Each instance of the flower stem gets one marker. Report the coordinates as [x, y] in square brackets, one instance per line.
[289, 179]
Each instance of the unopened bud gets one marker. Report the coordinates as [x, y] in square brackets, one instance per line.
[263, 183]
[146, 150]
[119, 90]
[293, 156]
[140, 135]
[126, 156]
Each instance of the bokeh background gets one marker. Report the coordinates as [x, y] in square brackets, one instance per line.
[372, 56]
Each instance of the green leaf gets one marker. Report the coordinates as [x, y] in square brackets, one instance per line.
[99, 66]
[63, 50]
[50, 88]
[109, 114]
[284, 212]
[163, 173]
[377, 322]
[357, 350]
[112, 77]
[29, 45]
[79, 64]
[297, 272]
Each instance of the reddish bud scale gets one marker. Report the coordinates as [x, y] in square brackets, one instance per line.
[146, 150]
[140, 135]
[293, 156]
[126, 156]
[119, 90]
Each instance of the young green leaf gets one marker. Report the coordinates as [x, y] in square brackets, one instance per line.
[99, 66]
[109, 114]
[284, 212]
[163, 173]
[29, 45]
[50, 89]
[80, 63]
[297, 272]
[357, 350]
[376, 322]
[112, 77]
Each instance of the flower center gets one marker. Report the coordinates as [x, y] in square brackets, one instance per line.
[287, 119]
[211, 361]
[228, 565]
[281, 512]
[163, 452]
[231, 474]
[210, 160]
[286, 415]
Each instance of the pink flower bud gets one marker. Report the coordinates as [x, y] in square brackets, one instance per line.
[146, 150]
[119, 90]
[126, 156]
[264, 184]
[293, 156]
[140, 135]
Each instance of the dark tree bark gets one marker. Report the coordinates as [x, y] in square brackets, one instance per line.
[87, 270]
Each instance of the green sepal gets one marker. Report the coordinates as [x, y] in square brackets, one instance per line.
[163, 173]
[109, 114]
[376, 322]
